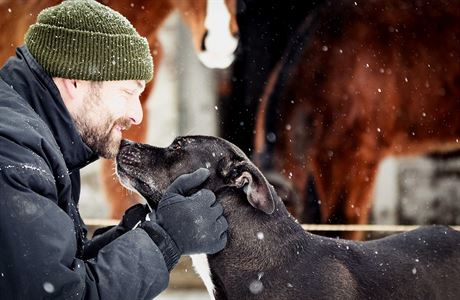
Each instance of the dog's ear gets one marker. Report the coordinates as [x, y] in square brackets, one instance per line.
[245, 175]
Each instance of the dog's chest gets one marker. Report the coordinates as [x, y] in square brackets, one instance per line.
[201, 265]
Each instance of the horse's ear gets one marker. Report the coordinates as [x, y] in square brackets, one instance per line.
[245, 175]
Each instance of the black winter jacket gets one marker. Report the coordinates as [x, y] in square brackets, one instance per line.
[42, 237]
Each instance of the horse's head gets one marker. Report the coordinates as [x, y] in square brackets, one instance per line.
[213, 27]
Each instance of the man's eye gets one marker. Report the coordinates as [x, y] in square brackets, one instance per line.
[128, 92]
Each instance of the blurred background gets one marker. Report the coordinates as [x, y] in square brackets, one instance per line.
[411, 187]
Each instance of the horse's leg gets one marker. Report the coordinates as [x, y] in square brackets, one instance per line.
[298, 176]
[360, 192]
[345, 185]
[118, 197]
[290, 160]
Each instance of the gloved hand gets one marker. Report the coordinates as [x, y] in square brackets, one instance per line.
[105, 235]
[187, 225]
[132, 217]
[195, 223]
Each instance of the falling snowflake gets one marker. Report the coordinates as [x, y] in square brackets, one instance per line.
[48, 287]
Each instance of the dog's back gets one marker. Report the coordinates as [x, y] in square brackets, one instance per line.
[420, 264]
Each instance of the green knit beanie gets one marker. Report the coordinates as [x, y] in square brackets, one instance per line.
[83, 39]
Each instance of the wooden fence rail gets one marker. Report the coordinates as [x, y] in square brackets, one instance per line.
[96, 223]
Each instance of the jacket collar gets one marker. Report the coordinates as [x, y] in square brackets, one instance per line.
[36, 86]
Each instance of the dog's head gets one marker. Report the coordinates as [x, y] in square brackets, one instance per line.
[150, 170]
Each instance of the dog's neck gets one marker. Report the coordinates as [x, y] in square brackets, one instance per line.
[255, 239]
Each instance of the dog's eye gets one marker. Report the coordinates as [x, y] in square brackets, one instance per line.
[175, 146]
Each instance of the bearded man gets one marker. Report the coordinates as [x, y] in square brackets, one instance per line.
[65, 99]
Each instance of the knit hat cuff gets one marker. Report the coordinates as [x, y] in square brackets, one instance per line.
[86, 55]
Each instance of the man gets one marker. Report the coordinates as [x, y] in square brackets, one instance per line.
[65, 99]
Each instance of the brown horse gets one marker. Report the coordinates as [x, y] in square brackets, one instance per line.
[213, 30]
[362, 80]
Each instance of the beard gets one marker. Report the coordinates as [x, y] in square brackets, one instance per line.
[98, 128]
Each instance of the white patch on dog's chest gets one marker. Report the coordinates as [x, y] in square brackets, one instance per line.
[201, 265]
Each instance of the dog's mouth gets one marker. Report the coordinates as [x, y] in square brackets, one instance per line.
[136, 184]
[132, 177]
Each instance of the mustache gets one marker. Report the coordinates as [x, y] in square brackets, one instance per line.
[123, 123]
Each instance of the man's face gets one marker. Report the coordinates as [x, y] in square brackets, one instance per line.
[107, 109]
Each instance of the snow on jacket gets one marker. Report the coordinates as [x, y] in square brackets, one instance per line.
[42, 235]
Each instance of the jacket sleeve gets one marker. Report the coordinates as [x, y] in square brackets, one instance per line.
[38, 249]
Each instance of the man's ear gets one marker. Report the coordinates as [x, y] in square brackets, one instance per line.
[67, 88]
[247, 176]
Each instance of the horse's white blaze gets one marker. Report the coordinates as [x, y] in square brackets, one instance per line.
[220, 43]
[201, 265]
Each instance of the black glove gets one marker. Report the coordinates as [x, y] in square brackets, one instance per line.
[193, 224]
[105, 235]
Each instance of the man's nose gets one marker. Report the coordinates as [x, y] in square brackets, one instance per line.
[135, 112]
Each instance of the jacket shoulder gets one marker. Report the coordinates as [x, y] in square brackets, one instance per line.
[21, 124]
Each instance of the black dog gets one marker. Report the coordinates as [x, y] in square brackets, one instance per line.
[269, 255]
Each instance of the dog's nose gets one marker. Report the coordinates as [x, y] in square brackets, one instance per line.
[125, 143]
